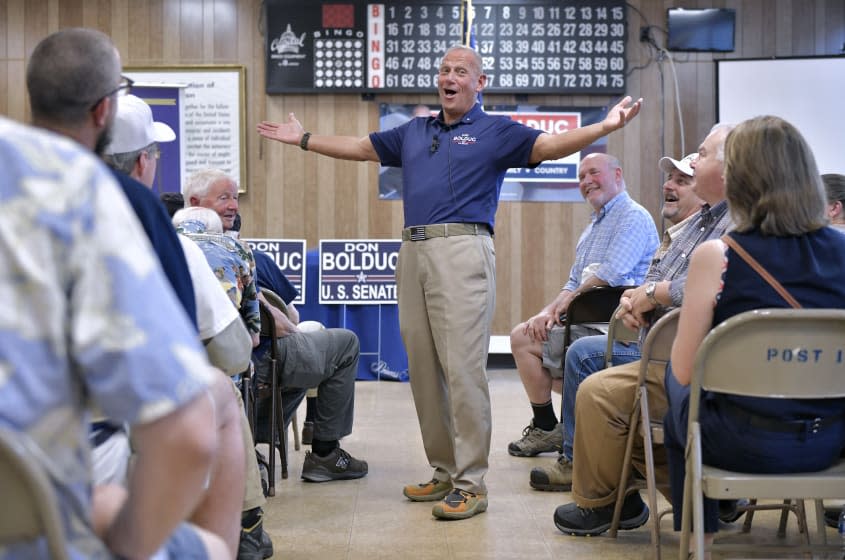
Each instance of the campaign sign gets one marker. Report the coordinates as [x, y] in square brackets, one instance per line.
[358, 271]
[560, 170]
[289, 255]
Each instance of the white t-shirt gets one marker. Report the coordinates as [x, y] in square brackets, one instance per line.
[214, 308]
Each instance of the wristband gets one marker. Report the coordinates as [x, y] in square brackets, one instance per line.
[303, 143]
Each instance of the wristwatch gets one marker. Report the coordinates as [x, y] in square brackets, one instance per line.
[649, 292]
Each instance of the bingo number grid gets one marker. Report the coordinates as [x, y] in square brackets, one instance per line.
[540, 47]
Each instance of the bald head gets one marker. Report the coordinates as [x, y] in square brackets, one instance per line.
[69, 72]
[600, 179]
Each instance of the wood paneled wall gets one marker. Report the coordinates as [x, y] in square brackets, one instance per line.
[300, 195]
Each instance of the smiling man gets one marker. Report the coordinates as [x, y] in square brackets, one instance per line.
[453, 166]
[614, 250]
[601, 399]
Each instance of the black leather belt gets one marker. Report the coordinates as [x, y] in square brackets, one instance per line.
[808, 425]
[421, 233]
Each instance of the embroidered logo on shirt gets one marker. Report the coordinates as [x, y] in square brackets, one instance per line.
[464, 139]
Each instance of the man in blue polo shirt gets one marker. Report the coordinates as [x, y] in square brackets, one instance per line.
[453, 168]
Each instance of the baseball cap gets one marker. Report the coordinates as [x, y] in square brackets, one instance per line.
[134, 127]
[666, 164]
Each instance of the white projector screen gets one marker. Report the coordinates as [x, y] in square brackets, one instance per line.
[807, 92]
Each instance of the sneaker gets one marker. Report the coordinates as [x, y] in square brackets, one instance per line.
[731, 510]
[460, 504]
[337, 465]
[582, 522]
[831, 517]
[557, 478]
[430, 491]
[536, 440]
[307, 432]
[255, 543]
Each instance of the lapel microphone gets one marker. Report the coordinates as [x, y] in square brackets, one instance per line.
[435, 144]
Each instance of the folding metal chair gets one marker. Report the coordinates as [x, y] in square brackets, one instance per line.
[657, 348]
[618, 331]
[30, 509]
[277, 424]
[765, 344]
[593, 306]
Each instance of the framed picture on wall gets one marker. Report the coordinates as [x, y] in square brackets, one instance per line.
[205, 106]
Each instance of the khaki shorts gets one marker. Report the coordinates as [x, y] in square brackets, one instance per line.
[553, 350]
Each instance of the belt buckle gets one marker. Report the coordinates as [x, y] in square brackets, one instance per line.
[417, 233]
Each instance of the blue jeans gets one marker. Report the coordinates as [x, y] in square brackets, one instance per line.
[585, 356]
[729, 443]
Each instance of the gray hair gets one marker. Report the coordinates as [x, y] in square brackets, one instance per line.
[198, 184]
[68, 72]
[125, 162]
[206, 216]
[720, 150]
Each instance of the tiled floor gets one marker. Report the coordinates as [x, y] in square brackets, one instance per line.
[369, 519]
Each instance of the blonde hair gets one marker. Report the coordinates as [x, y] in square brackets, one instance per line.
[771, 179]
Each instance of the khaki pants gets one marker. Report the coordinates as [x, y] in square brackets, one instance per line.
[254, 494]
[602, 411]
[447, 293]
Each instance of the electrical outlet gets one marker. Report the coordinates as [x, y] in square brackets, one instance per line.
[644, 38]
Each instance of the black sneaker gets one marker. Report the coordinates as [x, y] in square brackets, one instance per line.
[337, 465]
[582, 522]
[831, 517]
[255, 543]
[730, 510]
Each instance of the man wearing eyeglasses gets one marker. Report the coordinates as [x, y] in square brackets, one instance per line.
[73, 78]
[134, 146]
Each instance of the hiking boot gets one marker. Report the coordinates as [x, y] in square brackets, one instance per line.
[460, 504]
[430, 491]
[536, 440]
[556, 478]
[307, 432]
[583, 522]
[255, 543]
[337, 465]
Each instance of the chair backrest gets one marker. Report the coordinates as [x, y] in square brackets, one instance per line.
[30, 509]
[775, 353]
[657, 346]
[618, 331]
[595, 305]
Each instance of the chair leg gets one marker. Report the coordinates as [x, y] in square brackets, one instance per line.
[625, 471]
[784, 517]
[820, 526]
[295, 424]
[651, 482]
[749, 515]
[280, 428]
[273, 413]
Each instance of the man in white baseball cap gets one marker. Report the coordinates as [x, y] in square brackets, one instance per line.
[135, 137]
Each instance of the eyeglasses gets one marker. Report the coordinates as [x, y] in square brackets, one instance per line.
[123, 88]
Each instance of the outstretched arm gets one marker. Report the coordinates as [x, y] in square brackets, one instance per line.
[554, 146]
[340, 147]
